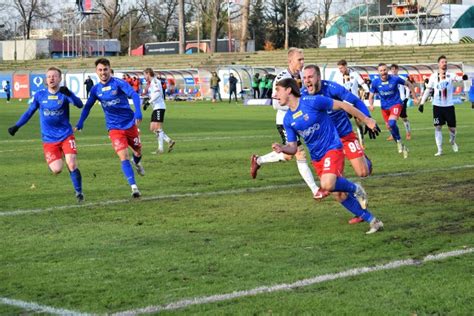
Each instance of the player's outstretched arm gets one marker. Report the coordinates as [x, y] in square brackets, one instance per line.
[412, 91]
[369, 122]
[85, 112]
[25, 117]
[74, 99]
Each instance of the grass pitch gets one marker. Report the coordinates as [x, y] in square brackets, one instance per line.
[204, 227]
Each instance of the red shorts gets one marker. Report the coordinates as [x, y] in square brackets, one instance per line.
[332, 162]
[55, 151]
[121, 139]
[395, 110]
[352, 149]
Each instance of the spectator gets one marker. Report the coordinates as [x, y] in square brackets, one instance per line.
[255, 86]
[215, 87]
[89, 84]
[232, 86]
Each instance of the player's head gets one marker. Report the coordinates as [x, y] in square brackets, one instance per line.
[394, 69]
[383, 71]
[149, 73]
[53, 77]
[295, 59]
[342, 66]
[103, 70]
[442, 62]
[284, 89]
[312, 78]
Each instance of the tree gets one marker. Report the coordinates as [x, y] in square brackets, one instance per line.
[257, 24]
[113, 16]
[244, 27]
[159, 16]
[181, 27]
[31, 11]
[215, 14]
[276, 17]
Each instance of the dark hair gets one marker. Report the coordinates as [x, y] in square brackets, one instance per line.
[441, 57]
[394, 66]
[149, 71]
[102, 61]
[290, 83]
[315, 67]
[55, 69]
[342, 62]
[381, 64]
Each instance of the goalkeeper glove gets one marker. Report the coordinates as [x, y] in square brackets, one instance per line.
[12, 130]
[64, 90]
[372, 133]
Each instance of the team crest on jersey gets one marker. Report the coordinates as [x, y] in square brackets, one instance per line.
[306, 117]
[297, 114]
[114, 92]
[106, 88]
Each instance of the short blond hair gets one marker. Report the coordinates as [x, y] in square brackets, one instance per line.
[293, 50]
[55, 69]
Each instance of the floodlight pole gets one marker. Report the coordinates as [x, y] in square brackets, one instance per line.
[130, 35]
[286, 24]
[229, 25]
[14, 38]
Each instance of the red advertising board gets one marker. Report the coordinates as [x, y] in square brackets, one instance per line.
[21, 86]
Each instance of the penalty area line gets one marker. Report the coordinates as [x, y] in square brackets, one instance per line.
[30, 306]
[212, 193]
[298, 284]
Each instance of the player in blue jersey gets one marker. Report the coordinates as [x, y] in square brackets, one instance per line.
[352, 149]
[122, 123]
[308, 117]
[56, 131]
[386, 86]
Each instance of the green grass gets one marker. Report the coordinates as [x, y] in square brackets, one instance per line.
[101, 258]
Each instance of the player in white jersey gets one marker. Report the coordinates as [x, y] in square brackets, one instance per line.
[441, 82]
[351, 80]
[404, 95]
[295, 65]
[155, 92]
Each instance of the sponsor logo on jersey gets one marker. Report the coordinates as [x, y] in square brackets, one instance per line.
[107, 88]
[297, 114]
[52, 97]
[309, 131]
[110, 103]
[47, 112]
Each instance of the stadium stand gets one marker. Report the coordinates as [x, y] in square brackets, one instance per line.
[355, 56]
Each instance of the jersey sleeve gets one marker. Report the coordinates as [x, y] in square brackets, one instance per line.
[432, 81]
[87, 107]
[29, 113]
[75, 100]
[373, 87]
[129, 92]
[290, 132]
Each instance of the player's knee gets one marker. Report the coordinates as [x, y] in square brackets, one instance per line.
[362, 172]
[327, 185]
[55, 170]
[300, 155]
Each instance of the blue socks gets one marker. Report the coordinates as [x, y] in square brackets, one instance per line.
[128, 172]
[76, 179]
[394, 129]
[344, 185]
[353, 206]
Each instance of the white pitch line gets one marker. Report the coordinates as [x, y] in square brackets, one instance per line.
[39, 308]
[285, 287]
[212, 193]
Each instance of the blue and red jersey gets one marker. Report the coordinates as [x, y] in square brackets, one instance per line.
[388, 91]
[340, 118]
[53, 114]
[311, 121]
[113, 96]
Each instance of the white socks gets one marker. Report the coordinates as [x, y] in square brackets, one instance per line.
[271, 157]
[307, 175]
[161, 136]
[452, 137]
[439, 139]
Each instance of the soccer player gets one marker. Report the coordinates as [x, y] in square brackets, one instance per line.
[308, 117]
[295, 65]
[441, 82]
[352, 149]
[387, 88]
[404, 95]
[155, 92]
[121, 121]
[351, 80]
[56, 131]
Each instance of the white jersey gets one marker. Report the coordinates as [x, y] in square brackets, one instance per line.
[443, 88]
[403, 90]
[351, 82]
[155, 92]
[281, 109]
